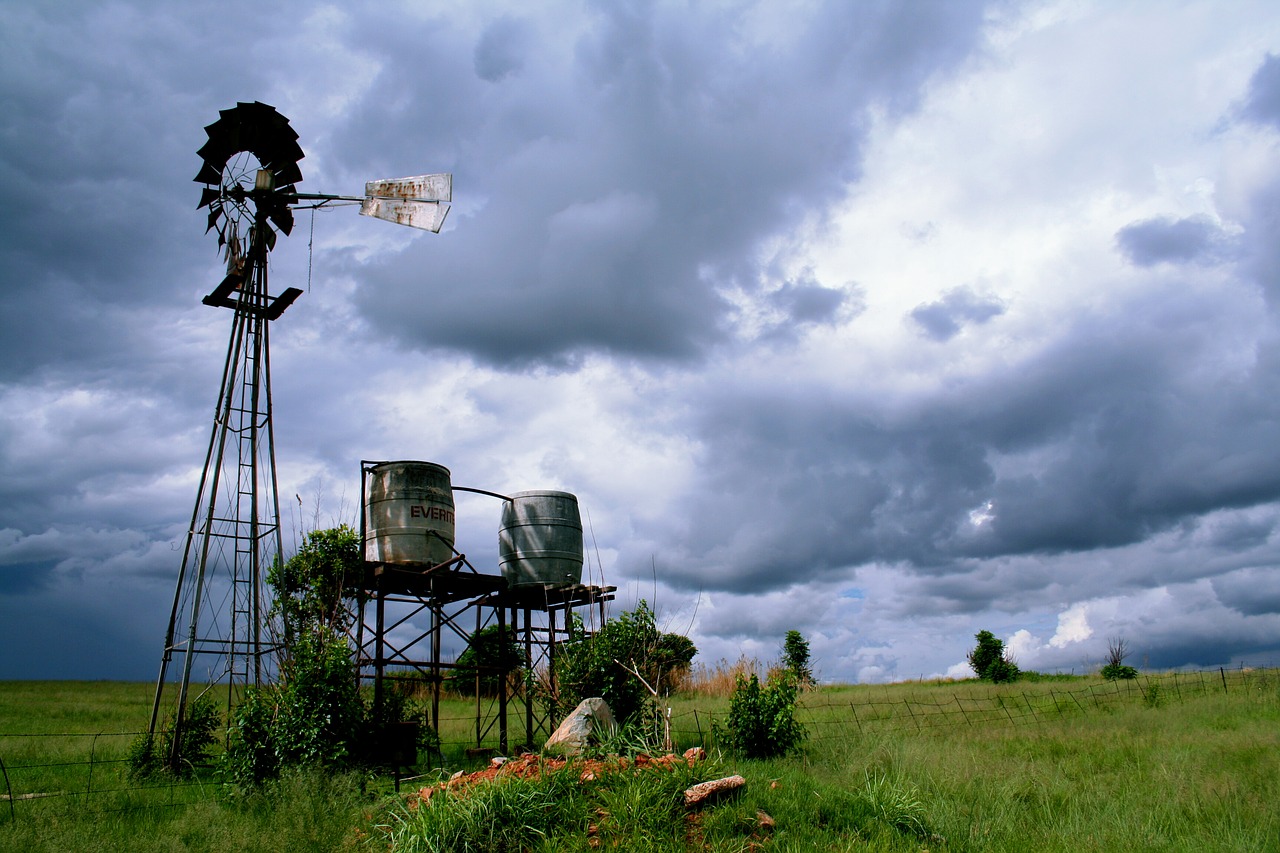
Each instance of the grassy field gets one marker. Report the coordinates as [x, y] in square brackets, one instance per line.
[1175, 762]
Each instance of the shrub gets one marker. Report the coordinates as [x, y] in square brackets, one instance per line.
[1117, 651]
[795, 657]
[483, 658]
[1111, 672]
[762, 721]
[310, 586]
[315, 716]
[150, 756]
[989, 660]
[601, 664]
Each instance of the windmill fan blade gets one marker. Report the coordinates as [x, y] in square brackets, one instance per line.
[208, 175]
[427, 215]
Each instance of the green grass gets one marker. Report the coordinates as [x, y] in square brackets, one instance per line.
[1164, 763]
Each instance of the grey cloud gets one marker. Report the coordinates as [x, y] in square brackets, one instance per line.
[944, 319]
[1262, 103]
[501, 49]
[1195, 239]
[666, 148]
[1098, 442]
[1241, 534]
[95, 175]
[1252, 591]
[808, 302]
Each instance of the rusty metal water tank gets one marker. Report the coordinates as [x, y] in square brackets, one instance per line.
[540, 539]
[409, 513]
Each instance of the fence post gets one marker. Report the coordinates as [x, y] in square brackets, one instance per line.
[962, 710]
[1224, 679]
[8, 789]
[856, 721]
[93, 751]
[912, 713]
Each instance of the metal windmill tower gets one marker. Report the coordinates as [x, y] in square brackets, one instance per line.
[250, 172]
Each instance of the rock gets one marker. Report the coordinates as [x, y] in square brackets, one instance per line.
[700, 795]
[694, 754]
[591, 719]
[764, 822]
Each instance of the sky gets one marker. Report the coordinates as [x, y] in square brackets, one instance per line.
[887, 322]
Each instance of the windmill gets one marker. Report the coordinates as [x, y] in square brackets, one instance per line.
[250, 175]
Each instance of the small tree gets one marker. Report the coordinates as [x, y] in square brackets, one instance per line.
[484, 657]
[310, 585]
[795, 658]
[1117, 651]
[606, 663]
[990, 661]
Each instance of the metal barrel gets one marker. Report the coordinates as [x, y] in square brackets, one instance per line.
[409, 514]
[540, 539]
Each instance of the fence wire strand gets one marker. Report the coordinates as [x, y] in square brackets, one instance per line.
[826, 718]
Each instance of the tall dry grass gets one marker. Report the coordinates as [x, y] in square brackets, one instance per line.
[718, 679]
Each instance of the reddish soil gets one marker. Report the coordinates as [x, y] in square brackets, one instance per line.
[531, 766]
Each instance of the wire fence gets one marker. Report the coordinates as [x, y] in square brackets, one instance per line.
[36, 768]
[901, 709]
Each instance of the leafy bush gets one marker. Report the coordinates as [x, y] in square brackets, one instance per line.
[314, 716]
[762, 721]
[601, 664]
[251, 756]
[1113, 672]
[150, 756]
[311, 585]
[1117, 651]
[989, 660]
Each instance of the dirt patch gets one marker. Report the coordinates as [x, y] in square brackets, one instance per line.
[532, 766]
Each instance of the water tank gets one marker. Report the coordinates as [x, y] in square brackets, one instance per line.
[540, 539]
[409, 513]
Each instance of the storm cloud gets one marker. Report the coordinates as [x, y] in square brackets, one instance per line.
[887, 322]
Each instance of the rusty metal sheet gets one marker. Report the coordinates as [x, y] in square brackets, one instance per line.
[427, 215]
[416, 188]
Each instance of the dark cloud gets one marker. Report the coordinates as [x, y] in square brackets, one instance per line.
[808, 302]
[1262, 103]
[1098, 442]
[1253, 591]
[666, 148]
[1241, 534]
[632, 182]
[1195, 239]
[502, 49]
[944, 319]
